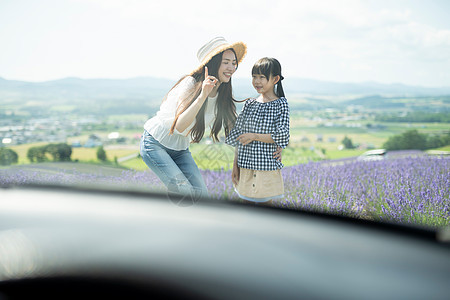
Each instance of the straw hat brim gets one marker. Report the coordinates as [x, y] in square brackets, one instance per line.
[239, 47]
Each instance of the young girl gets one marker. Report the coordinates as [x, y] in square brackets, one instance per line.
[262, 125]
[197, 101]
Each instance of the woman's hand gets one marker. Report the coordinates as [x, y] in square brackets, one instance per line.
[277, 154]
[209, 83]
[246, 138]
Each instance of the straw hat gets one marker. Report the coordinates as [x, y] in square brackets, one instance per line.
[215, 46]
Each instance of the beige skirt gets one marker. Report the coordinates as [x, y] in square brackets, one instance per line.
[260, 186]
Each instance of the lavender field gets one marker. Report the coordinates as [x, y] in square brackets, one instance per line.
[410, 190]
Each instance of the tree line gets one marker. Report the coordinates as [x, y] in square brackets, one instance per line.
[8, 157]
[409, 140]
[59, 152]
[55, 152]
[415, 117]
[413, 139]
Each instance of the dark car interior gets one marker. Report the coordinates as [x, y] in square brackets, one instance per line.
[60, 242]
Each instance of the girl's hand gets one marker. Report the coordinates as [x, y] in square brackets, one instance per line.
[209, 83]
[277, 154]
[246, 138]
[235, 174]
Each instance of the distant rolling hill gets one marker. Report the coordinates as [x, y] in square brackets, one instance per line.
[141, 94]
[316, 87]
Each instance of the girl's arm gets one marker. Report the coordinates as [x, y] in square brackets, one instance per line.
[231, 139]
[281, 134]
[188, 116]
[249, 137]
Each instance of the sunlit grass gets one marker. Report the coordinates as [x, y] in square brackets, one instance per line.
[22, 150]
[337, 154]
[135, 164]
[446, 148]
[88, 154]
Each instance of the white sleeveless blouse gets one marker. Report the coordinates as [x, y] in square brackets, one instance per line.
[159, 125]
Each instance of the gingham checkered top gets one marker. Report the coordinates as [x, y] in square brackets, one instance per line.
[271, 117]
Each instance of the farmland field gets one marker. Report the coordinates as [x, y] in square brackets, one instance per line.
[310, 141]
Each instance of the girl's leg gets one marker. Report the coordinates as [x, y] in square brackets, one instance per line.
[267, 203]
[187, 165]
[162, 164]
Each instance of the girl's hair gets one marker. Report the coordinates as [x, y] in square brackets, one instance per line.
[225, 109]
[268, 66]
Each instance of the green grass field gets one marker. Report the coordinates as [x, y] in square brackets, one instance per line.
[446, 148]
[220, 156]
[90, 154]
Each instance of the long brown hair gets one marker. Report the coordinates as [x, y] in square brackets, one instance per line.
[225, 109]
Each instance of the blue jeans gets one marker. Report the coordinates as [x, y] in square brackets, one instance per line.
[176, 168]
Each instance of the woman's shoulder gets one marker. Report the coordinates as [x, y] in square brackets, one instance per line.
[185, 85]
[188, 81]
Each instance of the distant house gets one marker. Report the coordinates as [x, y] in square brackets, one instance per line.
[93, 141]
[92, 144]
[76, 144]
[319, 138]
[113, 135]
[95, 137]
[331, 139]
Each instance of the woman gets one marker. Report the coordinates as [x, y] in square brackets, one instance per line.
[203, 98]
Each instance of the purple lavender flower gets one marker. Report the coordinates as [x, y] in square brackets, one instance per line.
[411, 190]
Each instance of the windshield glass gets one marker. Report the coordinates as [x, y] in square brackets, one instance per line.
[353, 141]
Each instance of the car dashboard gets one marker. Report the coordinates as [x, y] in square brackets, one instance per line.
[61, 242]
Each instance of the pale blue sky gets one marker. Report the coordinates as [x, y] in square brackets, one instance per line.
[345, 41]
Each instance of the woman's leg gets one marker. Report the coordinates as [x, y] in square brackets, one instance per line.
[157, 158]
[187, 165]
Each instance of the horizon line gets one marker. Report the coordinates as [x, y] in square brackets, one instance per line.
[237, 77]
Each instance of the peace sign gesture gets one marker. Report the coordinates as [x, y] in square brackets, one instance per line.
[209, 83]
